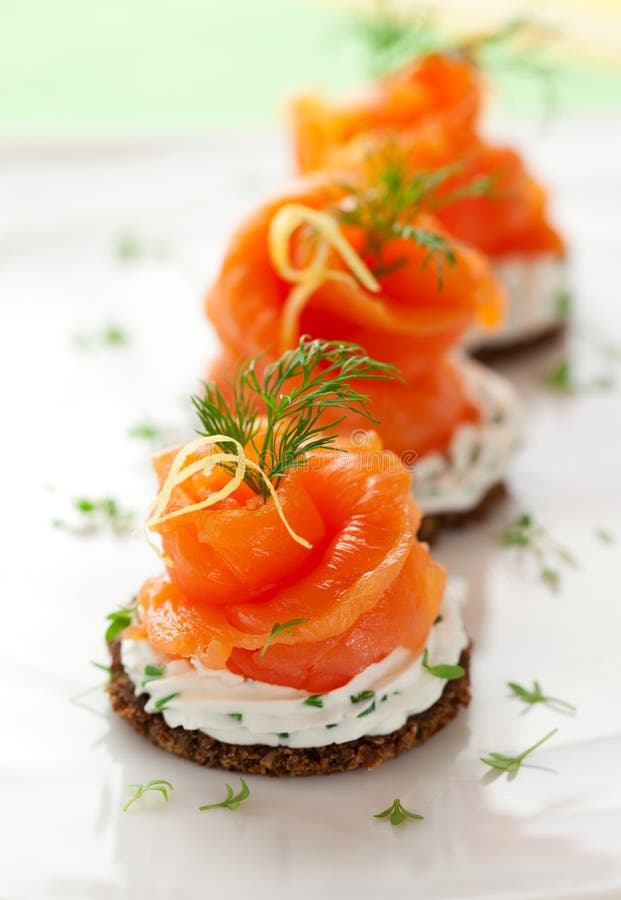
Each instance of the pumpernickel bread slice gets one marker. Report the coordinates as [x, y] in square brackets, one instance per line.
[258, 759]
[434, 523]
[492, 353]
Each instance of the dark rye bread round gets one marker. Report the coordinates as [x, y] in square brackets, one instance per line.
[434, 523]
[491, 353]
[259, 759]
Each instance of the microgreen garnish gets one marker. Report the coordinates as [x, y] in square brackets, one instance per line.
[154, 671]
[513, 763]
[162, 703]
[363, 695]
[293, 393]
[314, 700]
[151, 673]
[526, 534]
[562, 380]
[129, 247]
[104, 668]
[119, 620]
[277, 629]
[158, 784]
[398, 813]
[450, 673]
[564, 304]
[110, 336]
[238, 717]
[95, 515]
[283, 735]
[605, 536]
[232, 799]
[146, 431]
[536, 695]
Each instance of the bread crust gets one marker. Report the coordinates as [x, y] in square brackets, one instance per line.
[366, 752]
[491, 353]
[433, 523]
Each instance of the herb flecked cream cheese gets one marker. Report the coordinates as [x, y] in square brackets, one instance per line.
[236, 710]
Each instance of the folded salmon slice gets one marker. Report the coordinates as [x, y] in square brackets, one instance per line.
[427, 112]
[364, 587]
[412, 321]
[439, 93]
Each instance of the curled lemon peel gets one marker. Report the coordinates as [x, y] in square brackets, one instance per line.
[179, 473]
[309, 278]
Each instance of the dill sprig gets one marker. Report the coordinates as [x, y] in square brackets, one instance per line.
[277, 413]
[388, 209]
[392, 38]
[158, 784]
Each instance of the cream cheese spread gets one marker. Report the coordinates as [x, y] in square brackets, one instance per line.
[535, 286]
[479, 453]
[236, 710]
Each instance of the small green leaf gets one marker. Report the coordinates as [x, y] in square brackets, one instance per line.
[119, 620]
[528, 535]
[449, 673]
[367, 711]
[277, 629]
[151, 673]
[362, 696]
[238, 717]
[114, 335]
[162, 703]
[232, 800]
[397, 813]
[157, 784]
[512, 763]
[314, 700]
[536, 695]
[104, 668]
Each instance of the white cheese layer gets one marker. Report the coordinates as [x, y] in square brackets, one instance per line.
[479, 454]
[535, 286]
[242, 711]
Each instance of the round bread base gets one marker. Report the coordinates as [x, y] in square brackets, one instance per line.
[258, 759]
[433, 523]
[514, 348]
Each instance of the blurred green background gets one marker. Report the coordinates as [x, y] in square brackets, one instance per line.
[134, 66]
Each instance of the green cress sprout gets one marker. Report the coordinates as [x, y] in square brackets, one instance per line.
[157, 784]
[513, 763]
[398, 813]
[232, 800]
